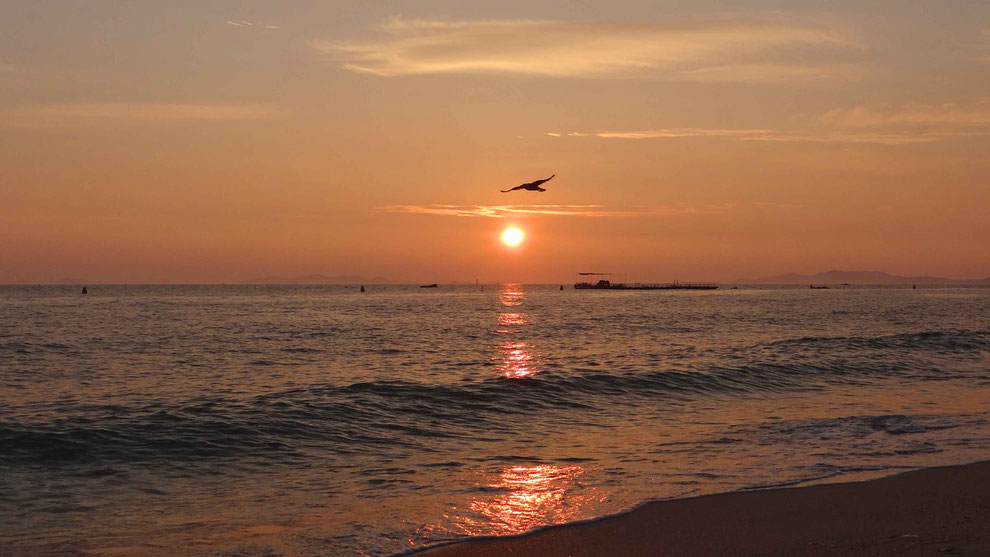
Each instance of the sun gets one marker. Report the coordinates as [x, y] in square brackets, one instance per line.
[512, 236]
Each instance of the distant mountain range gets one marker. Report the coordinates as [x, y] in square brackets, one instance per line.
[857, 277]
[319, 279]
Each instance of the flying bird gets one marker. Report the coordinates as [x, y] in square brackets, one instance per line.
[531, 186]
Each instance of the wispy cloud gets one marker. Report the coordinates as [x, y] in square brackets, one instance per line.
[685, 132]
[918, 122]
[774, 73]
[95, 113]
[984, 47]
[821, 136]
[877, 138]
[501, 211]
[927, 115]
[883, 125]
[18, 77]
[767, 50]
[261, 28]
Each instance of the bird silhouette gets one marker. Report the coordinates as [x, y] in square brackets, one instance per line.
[531, 186]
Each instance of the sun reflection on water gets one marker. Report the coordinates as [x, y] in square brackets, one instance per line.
[516, 358]
[511, 295]
[513, 318]
[527, 497]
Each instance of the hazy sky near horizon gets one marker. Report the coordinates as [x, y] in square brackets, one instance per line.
[222, 141]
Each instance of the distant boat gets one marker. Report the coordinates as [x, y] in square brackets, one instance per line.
[84, 291]
[813, 287]
[606, 283]
[434, 285]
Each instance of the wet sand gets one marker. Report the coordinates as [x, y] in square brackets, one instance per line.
[933, 511]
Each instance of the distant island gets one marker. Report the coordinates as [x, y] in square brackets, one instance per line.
[319, 279]
[859, 277]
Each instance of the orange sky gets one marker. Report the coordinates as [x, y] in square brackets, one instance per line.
[183, 143]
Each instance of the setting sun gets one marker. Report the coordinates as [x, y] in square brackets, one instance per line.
[512, 236]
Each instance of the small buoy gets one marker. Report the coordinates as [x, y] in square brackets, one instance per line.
[362, 288]
[84, 291]
[561, 286]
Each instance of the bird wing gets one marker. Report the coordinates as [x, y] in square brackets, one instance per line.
[528, 185]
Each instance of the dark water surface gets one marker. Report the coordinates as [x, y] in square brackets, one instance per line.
[317, 420]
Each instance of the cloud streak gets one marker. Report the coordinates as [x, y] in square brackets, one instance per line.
[865, 137]
[249, 25]
[883, 125]
[502, 211]
[770, 50]
[667, 133]
[910, 116]
[984, 47]
[117, 113]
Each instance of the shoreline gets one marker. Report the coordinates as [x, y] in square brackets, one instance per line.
[928, 511]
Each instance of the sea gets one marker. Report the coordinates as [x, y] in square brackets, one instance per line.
[257, 420]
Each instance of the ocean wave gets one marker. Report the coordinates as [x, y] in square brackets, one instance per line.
[35, 347]
[397, 415]
[391, 415]
[948, 340]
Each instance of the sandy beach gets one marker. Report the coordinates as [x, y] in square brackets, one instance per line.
[933, 511]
